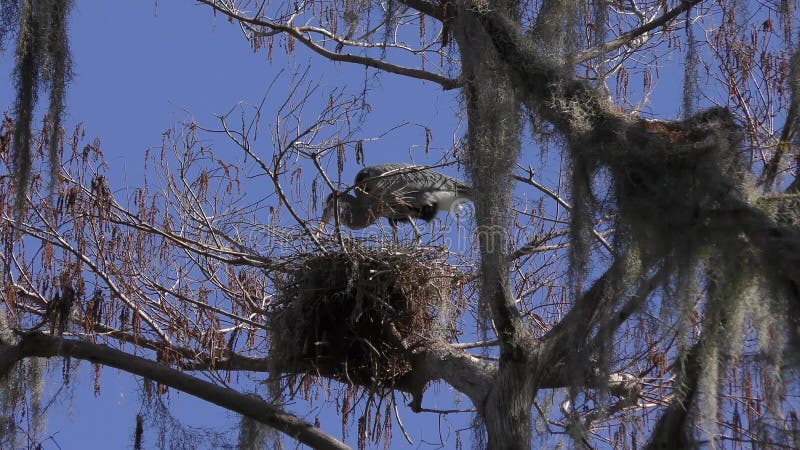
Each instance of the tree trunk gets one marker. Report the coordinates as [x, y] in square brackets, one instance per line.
[493, 144]
[507, 412]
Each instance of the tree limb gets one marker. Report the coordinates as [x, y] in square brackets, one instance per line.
[627, 37]
[428, 8]
[294, 32]
[46, 346]
[671, 429]
[456, 367]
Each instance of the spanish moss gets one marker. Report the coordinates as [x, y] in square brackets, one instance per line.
[42, 57]
[690, 85]
[20, 396]
[26, 74]
[787, 10]
[600, 30]
[553, 32]
[9, 19]
[493, 146]
[792, 128]
[580, 221]
[57, 73]
[254, 435]
[354, 12]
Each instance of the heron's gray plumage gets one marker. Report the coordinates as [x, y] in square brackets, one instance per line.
[400, 178]
[399, 192]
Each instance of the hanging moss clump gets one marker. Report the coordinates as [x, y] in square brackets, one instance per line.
[680, 172]
[361, 317]
[784, 209]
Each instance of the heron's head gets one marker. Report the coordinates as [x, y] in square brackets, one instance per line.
[330, 205]
[352, 213]
[329, 209]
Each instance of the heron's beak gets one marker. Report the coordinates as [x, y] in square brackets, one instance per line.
[320, 229]
[326, 217]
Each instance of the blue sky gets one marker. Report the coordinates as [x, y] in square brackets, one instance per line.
[142, 66]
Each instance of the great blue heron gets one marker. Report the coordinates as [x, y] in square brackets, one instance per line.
[399, 192]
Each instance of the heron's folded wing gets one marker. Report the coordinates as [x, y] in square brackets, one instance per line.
[399, 178]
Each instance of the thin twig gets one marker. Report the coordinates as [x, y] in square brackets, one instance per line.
[529, 180]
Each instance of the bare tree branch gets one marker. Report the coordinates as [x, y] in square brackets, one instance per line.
[46, 346]
[529, 180]
[296, 33]
[791, 127]
[627, 37]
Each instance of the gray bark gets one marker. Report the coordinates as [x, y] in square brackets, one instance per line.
[37, 344]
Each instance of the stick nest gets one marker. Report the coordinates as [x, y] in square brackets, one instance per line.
[361, 317]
